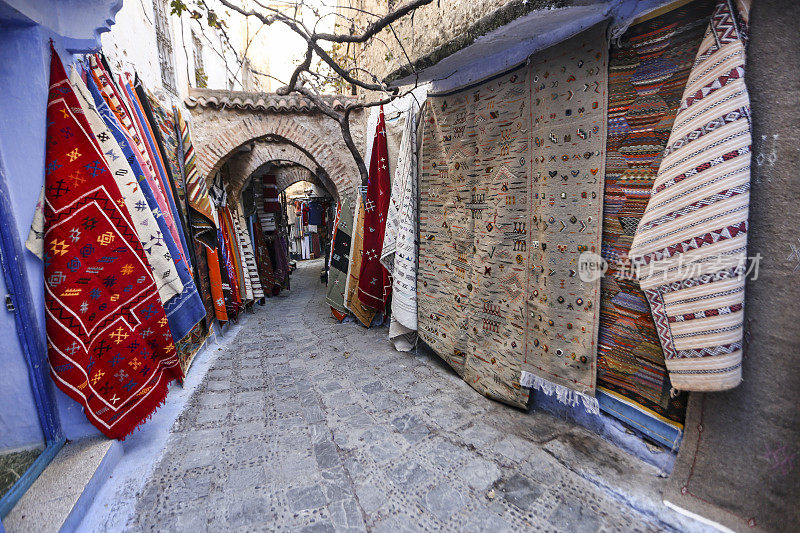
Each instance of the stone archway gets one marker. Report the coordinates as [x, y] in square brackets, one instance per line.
[225, 121]
[262, 154]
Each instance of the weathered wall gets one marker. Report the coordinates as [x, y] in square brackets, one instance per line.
[218, 134]
[438, 29]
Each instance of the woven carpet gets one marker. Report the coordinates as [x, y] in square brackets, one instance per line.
[648, 70]
[109, 345]
[739, 462]
[361, 312]
[340, 259]
[510, 197]
[472, 232]
[691, 241]
[399, 254]
[567, 157]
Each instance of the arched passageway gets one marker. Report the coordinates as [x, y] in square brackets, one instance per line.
[246, 130]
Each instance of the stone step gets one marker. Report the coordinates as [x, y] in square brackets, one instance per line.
[59, 498]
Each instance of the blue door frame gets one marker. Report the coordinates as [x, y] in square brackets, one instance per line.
[20, 302]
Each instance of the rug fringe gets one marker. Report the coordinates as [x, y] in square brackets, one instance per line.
[563, 394]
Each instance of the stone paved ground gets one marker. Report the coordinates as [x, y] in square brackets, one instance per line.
[307, 424]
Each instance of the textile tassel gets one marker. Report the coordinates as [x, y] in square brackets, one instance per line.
[563, 394]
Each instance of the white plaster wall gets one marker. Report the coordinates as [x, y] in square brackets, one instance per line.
[131, 46]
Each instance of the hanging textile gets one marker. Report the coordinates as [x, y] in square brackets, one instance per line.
[215, 275]
[147, 229]
[109, 345]
[362, 313]
[471, 304]
[340, 260]
[126, 116]
[201, 214]
[566, 190]
[264, 262]
[648, 69]
[228, 276]
[242, 259]
[510, 197]
[248, 252]
[182, 311]
[691, 242]
[399, 254]
[374, 285]
[271, 202]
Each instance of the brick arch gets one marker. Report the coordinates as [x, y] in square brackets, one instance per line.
[287, 176]
[244, 165]
[221, 136]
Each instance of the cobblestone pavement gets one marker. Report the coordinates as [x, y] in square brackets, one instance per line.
[307, 424]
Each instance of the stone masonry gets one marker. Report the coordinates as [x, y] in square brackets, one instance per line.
[305, 424]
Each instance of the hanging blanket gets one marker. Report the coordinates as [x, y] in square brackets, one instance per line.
[147, 228]
[264, 262]
[201, 214]
[691, 241]
[340, 259]
[182, 311]
[568, 134]
[353, 304]
[510, 198]
[109, 345]
[244, 258]
[248, 252]
[399, 254]
[472, 232]
[648, 70]
[374, 284]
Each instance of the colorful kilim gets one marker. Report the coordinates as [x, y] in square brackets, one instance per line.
[201, 210]
[182, 311]
[399, 254]
[362, 313]
[691, 242]
[648, 69]
[374, 284]
[244, 258]
[109, 343]
[264, 262]
[471, 281]
[340, 258]
[511, 196]
[248, 249]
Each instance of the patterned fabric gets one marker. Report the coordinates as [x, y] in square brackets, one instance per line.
[245, 258]
[201, 212]
[374, 284]
[182, 311]
[340, 259]
[648, 69]
[165, 159]
[569, 93]
[271, 202]
[217, 284]
[353, 304]
[691, 241]
[264, 262]
[109, 344]
[248, 248]
[510, 199]
[228, 276]
[472, 193]
[127, 117]
[399, 254]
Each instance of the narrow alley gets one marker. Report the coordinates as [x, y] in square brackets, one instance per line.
[399, 266]
[304, 424]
